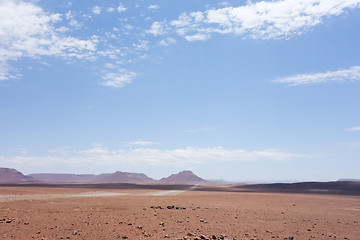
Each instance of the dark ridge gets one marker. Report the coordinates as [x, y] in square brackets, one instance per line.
[344, 187]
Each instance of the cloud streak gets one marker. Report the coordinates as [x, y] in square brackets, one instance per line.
[261, 20]
[181, 157]
[347, 75]
[354, 129]
[140, 143]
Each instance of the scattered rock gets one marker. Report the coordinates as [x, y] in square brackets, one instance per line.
[222, 236]
[156, 207]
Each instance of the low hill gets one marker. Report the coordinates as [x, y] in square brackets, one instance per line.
[9, 175]
[184, 177]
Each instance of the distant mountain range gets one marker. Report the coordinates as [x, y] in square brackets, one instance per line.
[117, 177]
[11, 175]
[8, 175]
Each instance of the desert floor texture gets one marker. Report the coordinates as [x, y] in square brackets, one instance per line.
[68, 213]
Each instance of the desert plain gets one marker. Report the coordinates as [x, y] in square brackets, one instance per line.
[173, 212]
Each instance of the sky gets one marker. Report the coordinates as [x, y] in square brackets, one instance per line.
[249, 91]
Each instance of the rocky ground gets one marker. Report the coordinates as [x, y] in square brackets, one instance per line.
[146, 214]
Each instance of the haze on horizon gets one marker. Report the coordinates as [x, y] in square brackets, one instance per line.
[234, 90]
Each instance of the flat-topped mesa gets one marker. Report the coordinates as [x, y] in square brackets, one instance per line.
[9, 175]
[184, 177]
[124, 177]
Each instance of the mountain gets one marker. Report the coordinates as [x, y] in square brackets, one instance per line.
[117, 177]
[123, 177]
[184, 177]
[9, 175]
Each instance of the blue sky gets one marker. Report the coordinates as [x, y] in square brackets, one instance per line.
[234, 90]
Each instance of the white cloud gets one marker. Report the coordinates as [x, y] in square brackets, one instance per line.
[261, 20]
[27, 31]
[158, 28]
[354, 129]
[197, 37]
[167, 41]
[118, 79]
[153, 7]
[346, 75]
[96, 10]
[184, 157]
[121, 8]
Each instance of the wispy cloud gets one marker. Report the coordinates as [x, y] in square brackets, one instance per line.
[110, 9]
[121, 8]
[261, 20]
[7, 72]
[140, 143]
[153, 7]
[354, 129]
[167, 41]
[118, 79]
[183, 157]
[346, 75]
